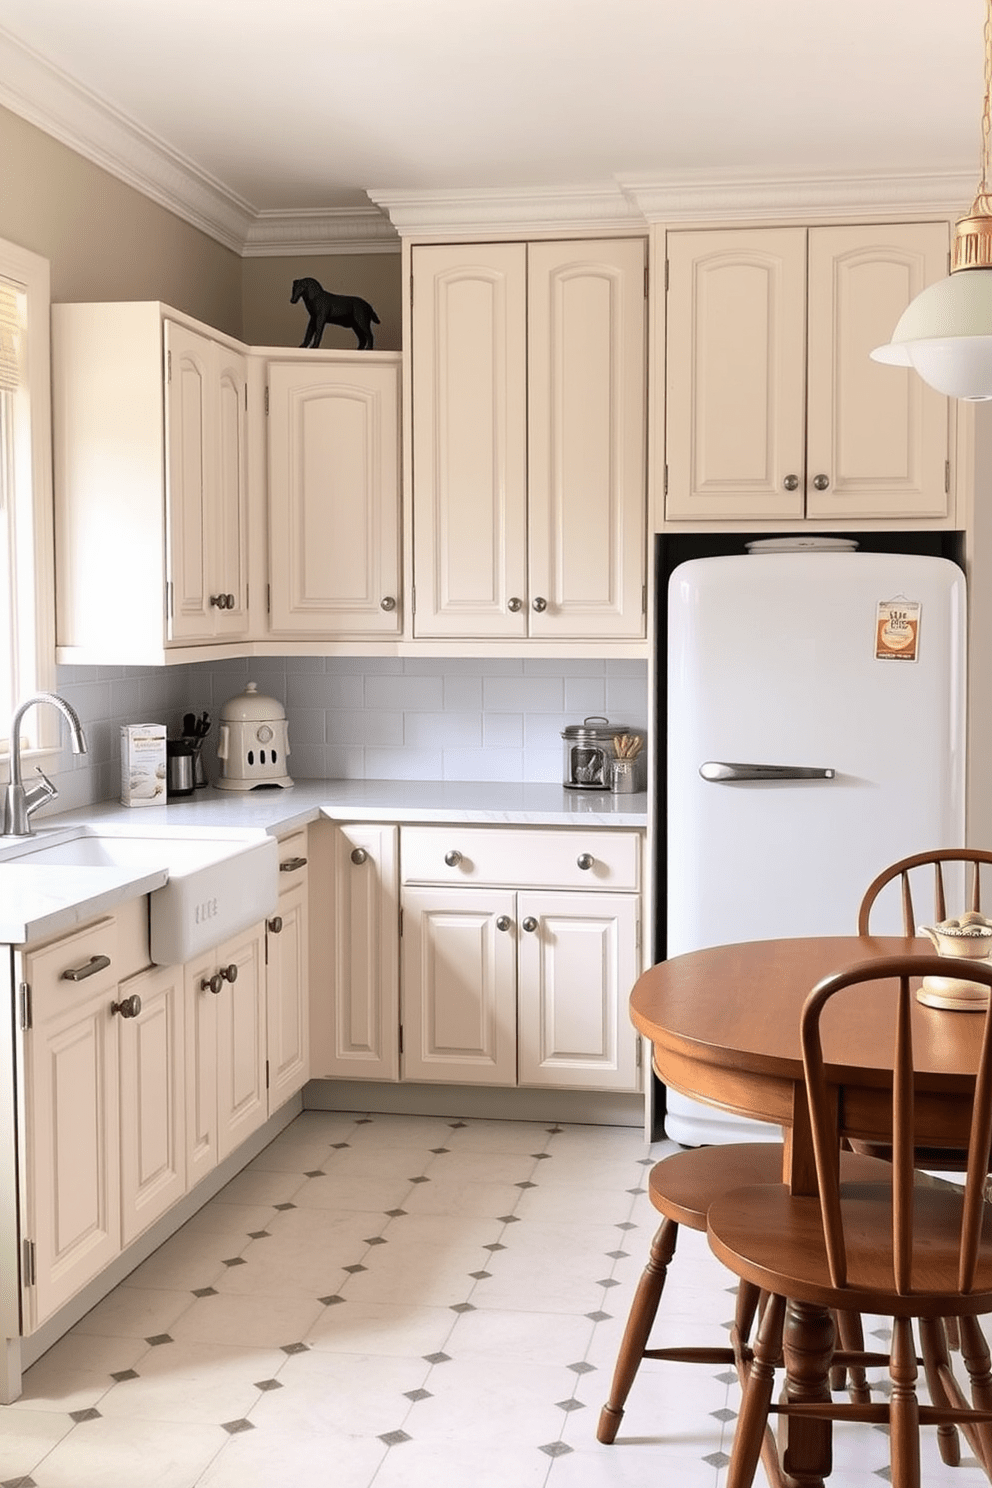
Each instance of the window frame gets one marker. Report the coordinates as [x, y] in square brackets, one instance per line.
[33, 558]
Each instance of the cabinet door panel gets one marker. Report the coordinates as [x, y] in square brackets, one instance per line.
[365, 1037]
[459, 986]
[188, 477]
[152, 1099]
[469, 440]
[242, 1103]
[201, 1069]
[286, 994]
[228, 566]
[586, 411]
[334, 499]
[735, 375]
[878, 434]
[576, 969]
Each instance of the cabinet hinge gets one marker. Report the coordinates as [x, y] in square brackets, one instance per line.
[637, 934]
[24, 991]
[413, 599]
[168, 366]
[266, 400]
[401, 922]
[268, 599]
[640, 1053]
[168, 600]
[666, 275]
[401, 1039]
[411, 286]
[266, 1074]
[29, 1274]
[947, 476]
[647, 271]
[666, 480]
[246, 397]
[644, 599]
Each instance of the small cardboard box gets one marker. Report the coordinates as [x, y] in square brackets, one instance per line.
[143, 779]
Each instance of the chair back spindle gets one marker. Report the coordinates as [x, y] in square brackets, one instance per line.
[969, 859]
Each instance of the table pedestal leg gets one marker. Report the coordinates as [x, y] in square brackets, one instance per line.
[807, 1348]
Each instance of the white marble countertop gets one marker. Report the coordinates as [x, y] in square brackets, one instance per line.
[37, 901]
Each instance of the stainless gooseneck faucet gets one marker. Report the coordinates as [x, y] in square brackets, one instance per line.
[21, 800]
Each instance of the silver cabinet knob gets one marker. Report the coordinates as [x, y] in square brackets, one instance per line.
[128, 1007]
[514, 604]
[585, 860]
[223, 601]
[540, 605]
[530, 923]
[504, 922]
[275, 924]
[453, 858]
[388, 603]
[359, 855]
[229, 973]
[290, 865]
[212, 984]
[821, 482]
[791, 483]
[231, 601]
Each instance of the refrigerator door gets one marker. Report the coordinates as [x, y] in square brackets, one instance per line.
[816, 733]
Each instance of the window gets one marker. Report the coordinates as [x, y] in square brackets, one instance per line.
[26, 567]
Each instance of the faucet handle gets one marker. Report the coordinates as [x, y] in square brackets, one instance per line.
[40, 793]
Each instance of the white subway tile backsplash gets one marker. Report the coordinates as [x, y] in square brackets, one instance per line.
[353, 718]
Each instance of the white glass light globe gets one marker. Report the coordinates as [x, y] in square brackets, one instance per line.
[946, 335]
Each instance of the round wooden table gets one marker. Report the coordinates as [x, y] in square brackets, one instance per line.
[724, 1024]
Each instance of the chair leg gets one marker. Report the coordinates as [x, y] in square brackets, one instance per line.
[852, 1340]
[904, 1408]
[975, 1356]
[643, 1311]
[752, 1421]
[936, 1360]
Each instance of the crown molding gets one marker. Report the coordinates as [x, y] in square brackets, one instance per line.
[525, 210]
[55, 103]
[701, 198]
[333, 230]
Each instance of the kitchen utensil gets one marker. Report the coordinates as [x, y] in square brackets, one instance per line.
[253, 742]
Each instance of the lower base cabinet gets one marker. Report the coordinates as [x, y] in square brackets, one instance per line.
[152, 1054]
[287, 977]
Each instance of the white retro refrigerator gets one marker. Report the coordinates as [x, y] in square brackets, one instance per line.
[815, 734]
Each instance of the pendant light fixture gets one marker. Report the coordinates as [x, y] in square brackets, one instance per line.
[946, 332]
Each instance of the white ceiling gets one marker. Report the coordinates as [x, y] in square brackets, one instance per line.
[270, 112]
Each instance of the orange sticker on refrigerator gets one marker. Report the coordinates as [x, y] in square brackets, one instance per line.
[897, 630]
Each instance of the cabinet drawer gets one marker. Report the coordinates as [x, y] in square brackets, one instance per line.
[74, 965]
[292, 858]
[524, 859]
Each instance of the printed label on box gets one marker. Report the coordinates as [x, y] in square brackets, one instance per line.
[143, 778]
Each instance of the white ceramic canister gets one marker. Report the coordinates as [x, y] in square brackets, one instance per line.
[253, 743]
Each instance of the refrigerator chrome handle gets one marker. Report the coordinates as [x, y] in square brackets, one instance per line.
[723, 770]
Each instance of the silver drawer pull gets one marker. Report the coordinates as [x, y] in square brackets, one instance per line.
[504, 922]
[359, 855]
[453, 858]
[290, 865]
[92, 966]
[530, 923]
[721, 770]
[128, 1007]
[229, 973]
[212, 984]
[275, 924]
[585, 860]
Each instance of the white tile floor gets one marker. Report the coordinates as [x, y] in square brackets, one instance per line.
[397, 1302]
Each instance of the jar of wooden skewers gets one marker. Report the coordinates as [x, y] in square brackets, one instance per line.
[625, 765]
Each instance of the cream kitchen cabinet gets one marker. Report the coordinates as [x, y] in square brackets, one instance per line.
[773, 407]
[225, 1049]
[152, 1051]
[78, 1059]
[149, 427]
[287, 976]
[334, 497]
[511, 985]
[362, 1039]
[528, 396]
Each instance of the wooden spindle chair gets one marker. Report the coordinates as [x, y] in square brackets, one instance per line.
[899, 1247]
[913, 869]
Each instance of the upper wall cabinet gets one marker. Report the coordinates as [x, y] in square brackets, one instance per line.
[528, 440]
[334, 501]
[149, 427]
[774, 408]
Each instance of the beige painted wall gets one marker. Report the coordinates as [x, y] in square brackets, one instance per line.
[270, 320]
[104, 240]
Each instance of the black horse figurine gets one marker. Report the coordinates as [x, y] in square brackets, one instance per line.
[334, 309]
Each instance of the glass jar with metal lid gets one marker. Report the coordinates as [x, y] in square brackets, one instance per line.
[589, 752]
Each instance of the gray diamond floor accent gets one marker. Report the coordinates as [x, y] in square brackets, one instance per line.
[462, 1307]
[90, 1414]
[236, 1261]
[259, 1235]
[571, 1405]
[269, 1384]
[717, 1459]
[540, 1156]
[205, 1292]
[438, 1358]
[330, 1301]
[582, 1367]
[394, 1438]
[295, 1348]
[18, 1483]
[125, 1374]
[618, 1255]
[337, 1146]
[416, 1395]
[376, 1240]
[726, 1414]
[438, 1150]
[395, 1213]
[421, 1179]
[480, 1275]
[556, 1449]
[599, 1317]
[729, 1377]
[354, 1270]
[457, 1125]
[158, 1338]
[626, 1225]
[526, 1184]
[284, 1206]
[609, 1281]
[234, 1427]
[496, 1245]
[315, 1173]
[507, 1219]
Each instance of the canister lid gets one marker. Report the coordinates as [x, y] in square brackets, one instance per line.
[250, 706]
[595, 727]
